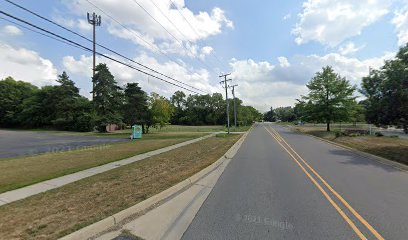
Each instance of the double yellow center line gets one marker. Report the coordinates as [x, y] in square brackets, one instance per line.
[308, 170]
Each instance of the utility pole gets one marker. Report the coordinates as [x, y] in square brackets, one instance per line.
[94, 20]
[235, 106]
[226, 96]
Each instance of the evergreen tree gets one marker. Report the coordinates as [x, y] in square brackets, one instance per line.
[135, 107]
[108, 98]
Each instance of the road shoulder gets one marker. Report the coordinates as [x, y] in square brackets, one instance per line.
[366, 155]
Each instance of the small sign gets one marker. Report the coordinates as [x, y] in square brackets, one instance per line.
[136, 131]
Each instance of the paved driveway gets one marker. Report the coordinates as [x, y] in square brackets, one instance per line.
[19, 143]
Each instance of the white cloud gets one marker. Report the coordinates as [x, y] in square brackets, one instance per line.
[349, 48]
[199, 78]
[26, 65]
[283, 62]
[263, 84]
[287, 16]
[249, 70]
[400, 21]
[331, 22]
[12, 30]
[205, 51]
[81, 23]
[138, 22]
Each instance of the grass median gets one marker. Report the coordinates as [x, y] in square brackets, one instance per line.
[392, 148]
[61, 211]
[22, 171]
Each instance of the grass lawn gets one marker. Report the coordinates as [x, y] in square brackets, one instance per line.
[392, 148]
[61, 211]
[167, 129]
[23, 171]
[215, 128]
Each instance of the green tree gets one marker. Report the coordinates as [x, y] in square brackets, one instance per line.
[135, 105]
[372, 89]
[285, 114]
[108, 98]
[161, 110]
[70, 108]
[387, 92]
[12, 95]
[330, 97]
[247, 115]
[178, 100]
[270, 116]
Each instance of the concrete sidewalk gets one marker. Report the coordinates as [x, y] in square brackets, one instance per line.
[171, 219]
[44, 186]
[165, 215]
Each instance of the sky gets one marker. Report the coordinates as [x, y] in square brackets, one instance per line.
[271, 48]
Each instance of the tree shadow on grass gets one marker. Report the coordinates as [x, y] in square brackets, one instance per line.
[355, 159]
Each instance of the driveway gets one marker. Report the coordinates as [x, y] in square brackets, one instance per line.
[20, 143]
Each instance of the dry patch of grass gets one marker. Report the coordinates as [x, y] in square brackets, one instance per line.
[395, 149]
[392, 148]
[23, 171]
[60, 211]
[316, 131]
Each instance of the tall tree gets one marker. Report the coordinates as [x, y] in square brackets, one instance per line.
[178, 100]
[330, 97]
[285, 114]
[270, 116]
[108, 97]
[161, 110]
[64, 102]
[135, 106]
[12, 95]
[387, 92]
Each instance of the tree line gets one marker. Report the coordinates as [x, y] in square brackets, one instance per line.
[23, 105]
[331, 97]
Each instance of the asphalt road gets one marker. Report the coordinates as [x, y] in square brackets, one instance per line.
[315, 191]
[19, 143]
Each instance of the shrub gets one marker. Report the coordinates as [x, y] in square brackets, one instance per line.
[355, 132]
[378, 134]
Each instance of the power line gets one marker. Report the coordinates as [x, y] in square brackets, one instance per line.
[108, 49]
[90, 50]
[193, 28]
[188, 22]
[225, 82]
[170, 58]
[38, 32]
[174, 25]
[178, 40]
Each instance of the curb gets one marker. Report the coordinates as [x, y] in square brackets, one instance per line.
[369, 156]
[53, 183]
[111, 221]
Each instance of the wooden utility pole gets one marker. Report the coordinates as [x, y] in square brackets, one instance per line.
[95, 21]
[235, 106]
[226, 96]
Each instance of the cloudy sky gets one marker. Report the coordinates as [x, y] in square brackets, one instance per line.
[272, 48]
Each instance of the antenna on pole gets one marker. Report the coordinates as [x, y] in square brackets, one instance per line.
[94, 20]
